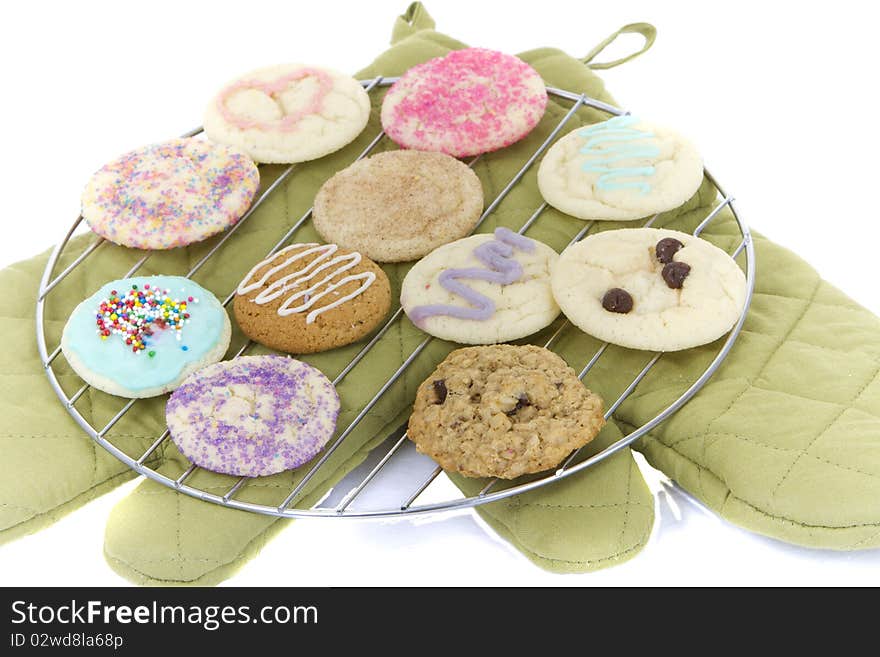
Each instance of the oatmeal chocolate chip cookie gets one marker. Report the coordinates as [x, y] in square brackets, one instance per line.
[621, 169]
[400, 205]
[649, 288]
[503, 411]
[312, 297]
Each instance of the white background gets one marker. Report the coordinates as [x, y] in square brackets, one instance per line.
[780, 97]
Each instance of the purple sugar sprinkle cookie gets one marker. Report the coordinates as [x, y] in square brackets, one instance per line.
[253, 416]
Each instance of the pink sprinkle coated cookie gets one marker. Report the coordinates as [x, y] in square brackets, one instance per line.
[469, 102]
[170, 194]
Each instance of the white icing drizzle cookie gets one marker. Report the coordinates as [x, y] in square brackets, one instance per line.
[309, 296]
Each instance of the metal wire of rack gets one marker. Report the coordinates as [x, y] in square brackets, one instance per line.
[286, 507]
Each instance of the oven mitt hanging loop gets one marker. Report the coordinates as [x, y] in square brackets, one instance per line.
[648, 31]
[415, 19]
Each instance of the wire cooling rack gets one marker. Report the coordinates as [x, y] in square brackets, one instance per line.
[286, 507]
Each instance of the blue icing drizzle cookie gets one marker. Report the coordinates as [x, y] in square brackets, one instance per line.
[141, 336]
[621, 169]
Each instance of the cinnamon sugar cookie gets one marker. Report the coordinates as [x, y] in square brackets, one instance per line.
[400, 205]
[312, 297]
[503, 411]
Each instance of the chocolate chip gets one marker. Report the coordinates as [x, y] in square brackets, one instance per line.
[440, 390]
[521, 402]
[666, 248]
[617, 301]
[674, 274]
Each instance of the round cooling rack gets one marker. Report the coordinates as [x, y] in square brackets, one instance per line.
[286, 507]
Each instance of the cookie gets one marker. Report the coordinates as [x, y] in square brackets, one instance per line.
[312, 297]
[621, 169]
[288, 113]
[253, 416]
[649, 288]
[465, 103]
[142, 336]
[482, 289]
[170, 194]
[503, 411]
[398, 206]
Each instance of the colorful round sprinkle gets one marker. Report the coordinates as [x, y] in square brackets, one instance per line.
[137, 314]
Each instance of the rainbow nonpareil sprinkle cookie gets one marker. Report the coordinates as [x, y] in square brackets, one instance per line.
[288, 113]
[140, 337]
[253, 416]
[170, 194]
[482, 289]
[468, 102]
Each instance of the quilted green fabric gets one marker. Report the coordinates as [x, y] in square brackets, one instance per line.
[783, 440]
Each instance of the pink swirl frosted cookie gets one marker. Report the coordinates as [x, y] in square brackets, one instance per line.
[169, 194]
[253, 416]
[469, 102]
[288, 113]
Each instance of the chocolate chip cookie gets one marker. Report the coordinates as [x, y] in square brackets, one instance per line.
[649, 288]
[503, 411]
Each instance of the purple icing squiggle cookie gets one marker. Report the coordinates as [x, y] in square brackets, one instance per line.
[253, 416]
[501, 269]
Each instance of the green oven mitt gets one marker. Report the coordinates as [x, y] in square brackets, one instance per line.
[785, 438]
[156, 535]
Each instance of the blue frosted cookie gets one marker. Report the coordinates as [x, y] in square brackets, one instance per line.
[142, 336]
